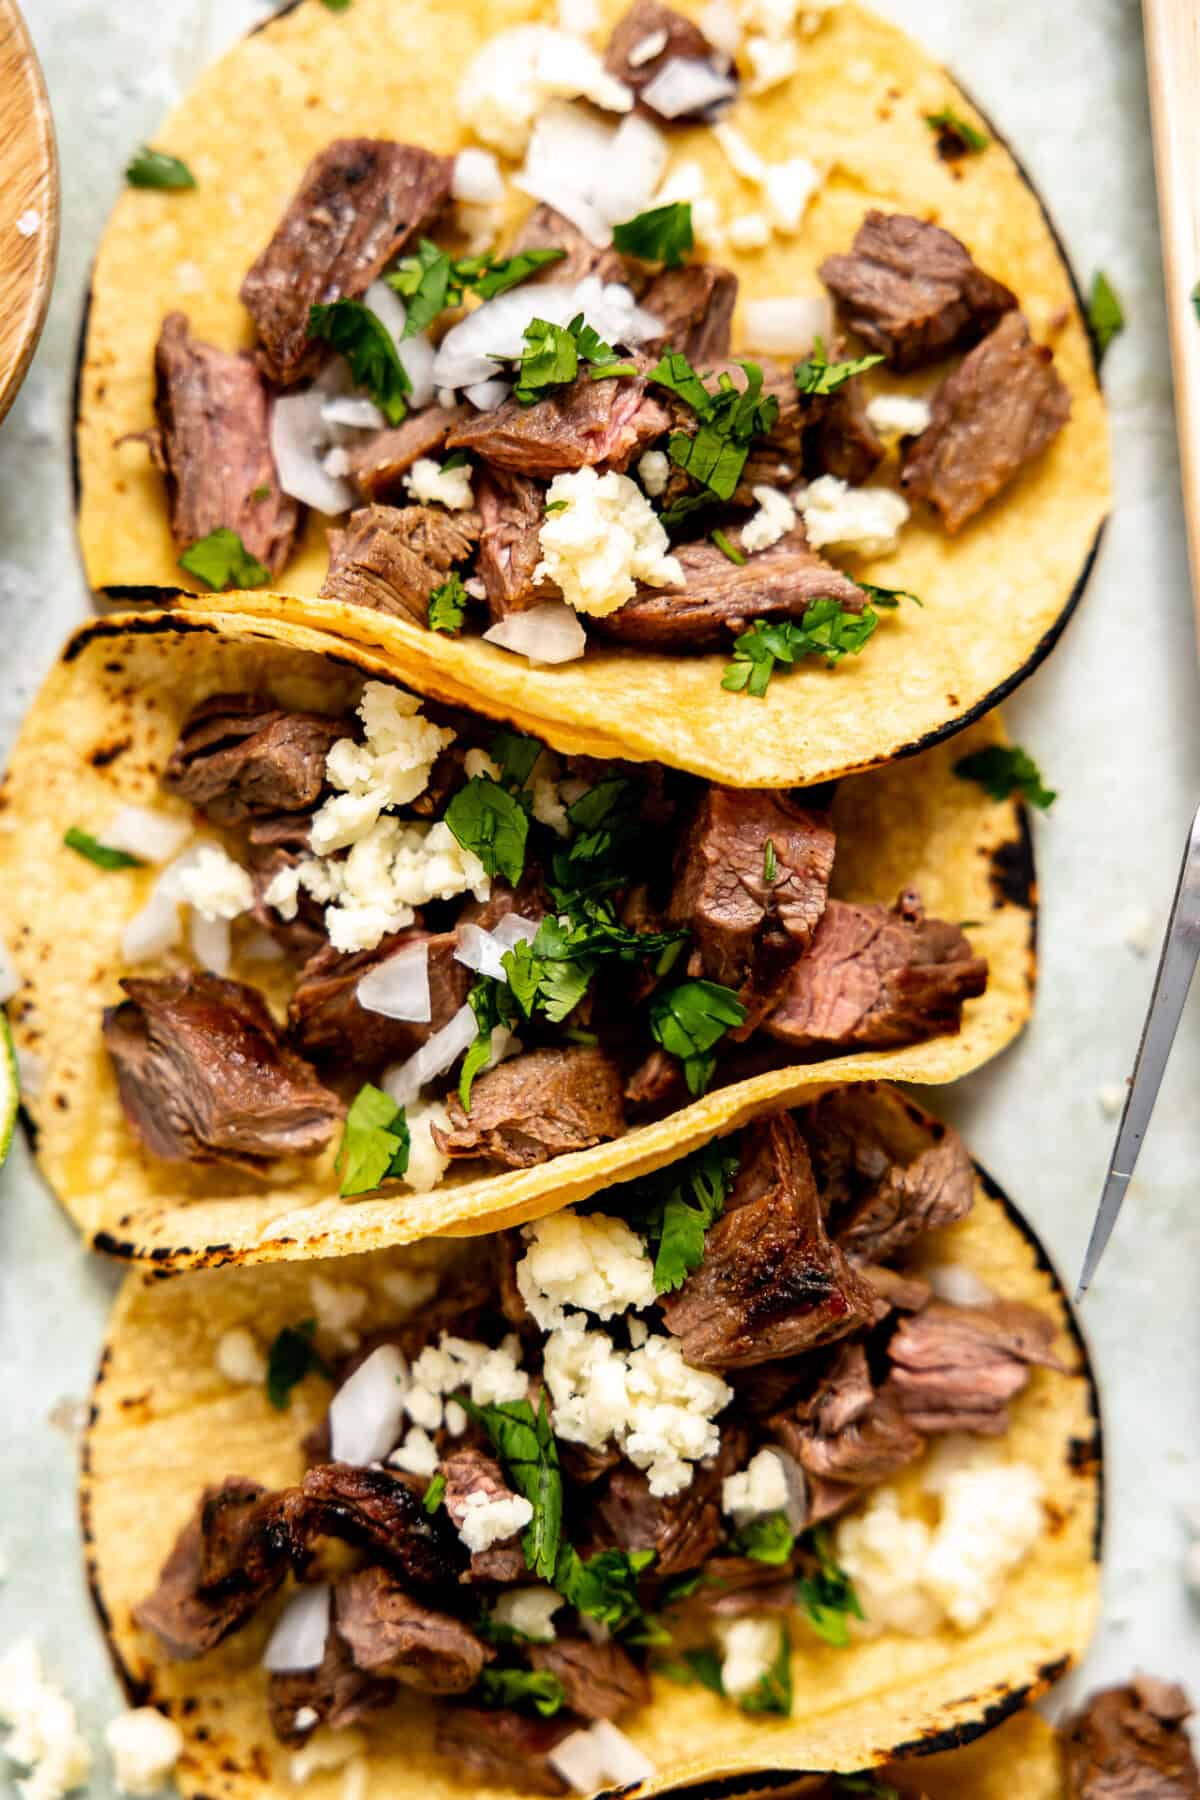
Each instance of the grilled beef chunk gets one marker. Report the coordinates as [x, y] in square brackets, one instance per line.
[887, 1169]
[751, 929]
[911, 291]
[546, 229]
[720, 598]
[732, 1587]
[204, 1076]
[302, 936]
[512, 508]
[379, 465]
[545, 1103]
[376, 1512]
[842, 441]
[844, 1436]
[895, 1292]
[577, 426]
[213, 445]
[338, 1692]
[877, 976]
[771, 1283]
[682, 1529]
[239, 757]
[1131, 1743]
[229, 1556]
[996, 412]
[390, 1633]
[501, 1747]
[360, 202]
[391, 558]
[657, 1081]
[326, 1022]
[681, 41]
[695, 305]
[955, 1368]
[471, 1472]
[601, 1681]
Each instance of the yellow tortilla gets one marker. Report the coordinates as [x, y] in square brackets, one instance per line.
[99, 734]
[165, 1423]
[995, 597]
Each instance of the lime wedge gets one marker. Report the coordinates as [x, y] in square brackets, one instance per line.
[10, 1092]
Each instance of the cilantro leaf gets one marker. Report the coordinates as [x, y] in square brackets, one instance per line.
[516, 1687]
[150, 168]
[434, 1493]
[336, 6]
[689, 1019]
[545, 976]
[729, 419]
[674, 1207]
[424, 283]
[827, 1596]
[525, 1445]
[770, 862]
[675, 372]
[727, 549]
[515, 753]
[702, 1666]
[827, 629]
[103, 855]
[867, 1784]
[1195, 297]
[367, 344]
[605, 1586]
[1105, 315]
[664, 234]
[956, 135]
[447, 604]
[491, 823]
[292, 1356]
[492, 1005]
[509, 272]
[1005, 769]
[375, 1142]
[221, 561]
[769, 1539]
[550, 358]
[817, 375]
[888, 597]
[773, 1693]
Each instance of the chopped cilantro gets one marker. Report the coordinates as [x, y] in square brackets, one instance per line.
[262, 491]
[510, 271]
[553, 506]
[150, 168]
[664, 234]
[828, 1597]
[827, 629]
[375, 1143]
[435, 1493]
[674, 1207]
[773, 1694]
[689, 1019]
[432, 279]
[546, 976]
[888, 597]
[729, 419]
[1196, 299]
[518, 1687]
[367, 344]
[770, 863]
[769, 1539]
[492, 1004]
[524, 1442]
[515, 753]
[727, 549]
[956, 135]
[103, 855]
[605, 1586]
[553, 353]
[447, 604]
[1105, 316]
[221, 561]
[703, 1666]
[817, 375]
[336, 6]
[1005, 769]
[491, 823]
[291, 1357]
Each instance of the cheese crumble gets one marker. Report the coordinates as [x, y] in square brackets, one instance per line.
[529, 1611]
[390, 768]
[606, 539]
[750, 1647]
[776, 516]
[211, 882]
[426, 1162]
[43, 1735]
[898, 415]
[429, 482]
[239, 1357]
[144, 1746]
[760, 1488]
[866, 520]
[589, 1261]
[487, 1522]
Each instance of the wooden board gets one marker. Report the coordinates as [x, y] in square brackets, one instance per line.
[28, 202]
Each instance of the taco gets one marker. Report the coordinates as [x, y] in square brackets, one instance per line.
[642, 381]
[435, 972]
[783, 1458]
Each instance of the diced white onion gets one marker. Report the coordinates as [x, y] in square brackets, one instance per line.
[298, 1640]
[599, 1757]
[477, 949]
[740, 154]
[418, 356]
[259, 946]
[405, 1080]
[548, 633]
[594, 174]
[211, 942]
[153, 930]
[788, 326]
[10, 981]
[485, 396]
[477, 178]
[298, 442]
[958, 1285]
[513, 928]
[399, 987]
[632, 170]
[368, 1409]
[354, 410]
[687, 85]
[720, 24]
[142, 831]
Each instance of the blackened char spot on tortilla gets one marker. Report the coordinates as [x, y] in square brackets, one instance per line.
[694, 305]
[327, 1024]
[511, 508]
[719, 598]
[468, 1473]
[1013, 875]
[230, 1555]
[360, 202]
[581, 425]
[682, 1529]
[845, 1436]
[673, 37]
[213, 446]
[239, 756]
[998, 411]
[1131, 1743]
[378, 464]
[955, 1368]
[376, 1512]
[750, 925]
[600, 1681]
[912, 291]
[877, 976]
[391, 558]
[542, 1104]
[205, 1077]
[546, 229]
[390, 1633]
[772, 1283]
[337, 1692]
[500, 1747]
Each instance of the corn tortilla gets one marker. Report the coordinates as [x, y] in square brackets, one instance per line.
[995, 598]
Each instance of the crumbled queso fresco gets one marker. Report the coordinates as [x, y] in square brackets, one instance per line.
[43, 1735]
[866, 520]
[606, 539]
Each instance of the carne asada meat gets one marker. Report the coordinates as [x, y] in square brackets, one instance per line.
[360, 202]
[650, 26]
[205, 1077]
[887, 1170]
[578, 426]
[239, 757]
[682, 1529]
[326, 1022]
[213, 445]
[719, 598]
[470, 1472]
[771, 1283]
[378, 465]
[876, 976]
[231, 1554]
[1131, 1743]
[391, 558]
[379, 1513]
[955, 1368]
[390, 1633]
[546, 229]
[501, 1747]
[845, 1437]
[600, 1681]
[512, 508]
[843, 442]
[695, 305]
[657, 1081]
[338, 1692]
[996, 412]
[544, 1103]
[751, 929]
[911, 290]
[894, 1292]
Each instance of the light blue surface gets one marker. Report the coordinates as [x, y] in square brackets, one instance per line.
[1111, 719]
